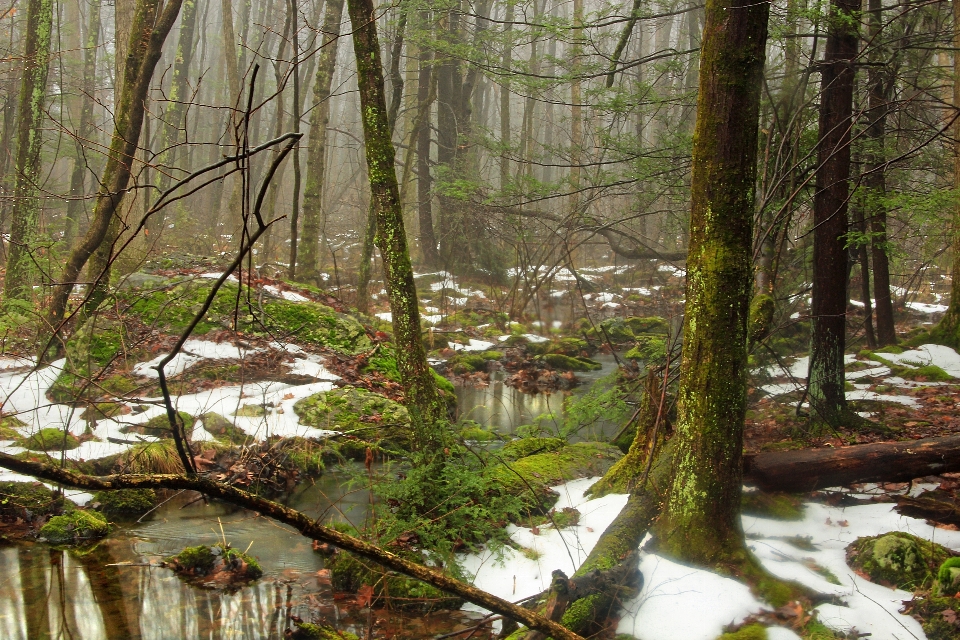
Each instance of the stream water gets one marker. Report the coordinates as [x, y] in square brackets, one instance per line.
[116, 592]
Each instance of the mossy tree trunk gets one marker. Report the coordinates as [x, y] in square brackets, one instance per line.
[317, 152]
[426, 94]
[829, 306]
[701, 522]
[85, 128]
[145, 48]
[426, 407]
[25, 218]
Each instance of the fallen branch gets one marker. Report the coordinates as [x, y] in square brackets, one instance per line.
[305, 525]
[798, 471]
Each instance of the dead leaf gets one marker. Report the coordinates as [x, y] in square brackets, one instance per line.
[364, 596]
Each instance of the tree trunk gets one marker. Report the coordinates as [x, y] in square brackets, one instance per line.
[507, 63]
[317, 155]
[146, 44]
[829, 306]
[295, 120]
[25, 219]
[875, 182]
[700, 522]
[85, 130]
[428, 411]
[425, 96]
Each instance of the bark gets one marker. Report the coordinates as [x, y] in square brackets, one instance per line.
[507, 63]
[146, 44]
[25, 219]
[701, 522]
[875, 182]
[829, 306]
[427, 408]
[304, 524]
[295, 120]
[576, 110]
[426, 94]
[317, 154]
[178, 103]
[864, 260]
[366, 257]
[813, 469]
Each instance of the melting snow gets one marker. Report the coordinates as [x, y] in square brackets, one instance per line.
[193, 351]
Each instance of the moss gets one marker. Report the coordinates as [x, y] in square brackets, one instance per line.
[816, 630]
[100, 410]
[159, 426]
[27, 500]
[760, 320]
[351, 409]
[539, 472]
[581, 613]
[9, 426]
[928, 373]
[898, 559]
[891, 348]
[470, 430]
[948, 576]
[523, 447]
[776, 506]
[383, 361]
[251, 411]
[303, 454]
[648, 348]
[570, 346]
[126, 502]
[50, 439]
[444, 385]
[222, 429]
[467, 363]
[310, 631]
[199, 559]
[649, 324]
[566, 363]
[74, 527]
[749, 632]
[203, 560]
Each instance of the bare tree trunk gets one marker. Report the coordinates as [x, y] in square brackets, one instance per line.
[505, 96]
[85, 130]
[25, 222]
[426, 92]
[295, 120]
[829, 307]
[317, 154]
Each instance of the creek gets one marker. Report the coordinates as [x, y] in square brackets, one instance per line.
[116, 591]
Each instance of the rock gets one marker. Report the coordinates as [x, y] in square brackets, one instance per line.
[75, 527]
[898, 560]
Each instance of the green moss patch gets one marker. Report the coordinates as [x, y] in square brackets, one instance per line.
[49, 439]
[75, 527]
[10, 426]
[150, 457]
[775, 506]
[159, 426]
[648, 348]
[352, 409]
[311, 631]
[126, 502]
[27, 500]
[523, 447]
[566, 363]
[749, 632]
[222, 429]
[898, 560]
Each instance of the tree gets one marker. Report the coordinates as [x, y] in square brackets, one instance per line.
[700, 522]
[146, 45]
[829, 305]
[25, 220]
[427, 409]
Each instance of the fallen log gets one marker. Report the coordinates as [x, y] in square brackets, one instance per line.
[808, 470]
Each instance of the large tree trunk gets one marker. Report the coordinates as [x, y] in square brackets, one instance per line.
[829, 307]
[428, 411]
[25, 221]
[426, 94]
[317, 154]
[700, 522]
[146, 44]
[875, 182]
[85, 128]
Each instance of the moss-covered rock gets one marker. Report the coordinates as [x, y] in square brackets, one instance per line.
[352, 409]
[10, 427]
[467, 363]
[472, 430]
[75, 527]
[50, 439]
[159, 426]
[566, 363]
[217, 566]
[648, 349]
[27, 500]
[898, 559]
[647, 325]
[126, 502]
[223, 429]
[523, 447]
[311, 631]
[569, 346]
[748, 632]
[775, 506]
[539, 472]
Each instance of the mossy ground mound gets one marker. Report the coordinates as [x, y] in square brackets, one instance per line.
[354, 410]
[223, 429]
[523, 447]
[50, 439]
[775, 506]
[898, 560]
[536, 473]
[311, 631]
[567, 363]
[217, 566]
[159, 426]
[10, 426]
[126, 502]
[75, 527]
[150, 457]
[27, 500]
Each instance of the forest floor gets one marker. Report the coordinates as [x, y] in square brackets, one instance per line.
[243, 379]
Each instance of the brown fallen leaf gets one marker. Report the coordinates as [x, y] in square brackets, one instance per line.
[364, 595]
